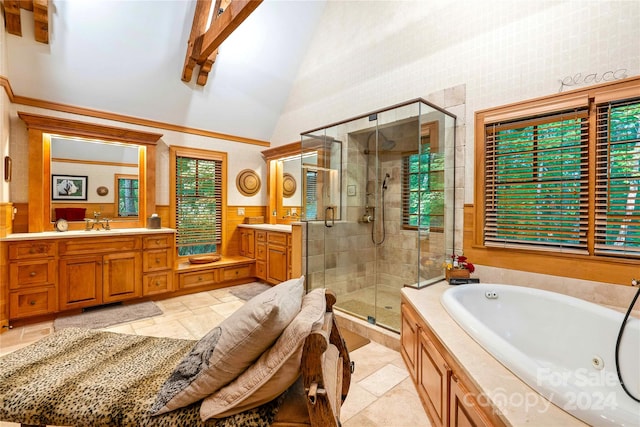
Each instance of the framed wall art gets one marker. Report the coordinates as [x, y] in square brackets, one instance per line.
[68, 187]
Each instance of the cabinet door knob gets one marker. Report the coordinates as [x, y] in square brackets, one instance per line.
[32, 302]
[157, 241]
[199, 278]
[32, 274]
[157, 260]
[157, 283]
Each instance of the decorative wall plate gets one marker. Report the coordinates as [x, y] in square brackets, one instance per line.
[248, 182]
[288, 185]
[102, 190]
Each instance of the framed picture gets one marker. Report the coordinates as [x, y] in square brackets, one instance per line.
[68, 187]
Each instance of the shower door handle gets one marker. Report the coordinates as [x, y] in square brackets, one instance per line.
[326, 216]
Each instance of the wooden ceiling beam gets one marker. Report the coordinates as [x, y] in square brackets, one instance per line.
[40, 9]
[193, 46]
[224, 25]
[205, 67]
[41, 20]
[12, 17]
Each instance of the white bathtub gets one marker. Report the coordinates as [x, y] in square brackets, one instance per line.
[563, 347]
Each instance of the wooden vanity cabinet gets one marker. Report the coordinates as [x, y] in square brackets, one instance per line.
[99, 270]
[247, 242]
[32, 278]
[80, 281]
[157, 264]
[277, 257]
[273, 252]
[448, 400]
[261, 254]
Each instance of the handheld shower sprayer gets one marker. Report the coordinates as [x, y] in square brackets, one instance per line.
[384, 182]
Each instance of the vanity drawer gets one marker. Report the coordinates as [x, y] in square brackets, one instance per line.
[33, 249]
[261, 270]
[32, 302]
[261, 236]
[261, 251]
[157, 283]
[277, 239]
[198, 278]
[99, 245]
[32, 273]
[241, 272]
[154, 260]
[157, 241]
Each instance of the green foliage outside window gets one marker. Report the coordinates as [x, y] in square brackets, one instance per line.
[423, 192]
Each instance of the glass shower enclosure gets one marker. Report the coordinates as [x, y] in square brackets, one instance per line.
[378, 205]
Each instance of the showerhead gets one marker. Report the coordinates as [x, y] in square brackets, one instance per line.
[385, 145]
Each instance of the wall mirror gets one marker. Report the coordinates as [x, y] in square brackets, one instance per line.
[90, 177]
[284, 183]
[43, 131]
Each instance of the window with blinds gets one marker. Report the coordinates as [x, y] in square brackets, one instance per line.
[198, 205]
[311, 195]
[423, 190]
[617, 198]
[537, 182]
[127, 195]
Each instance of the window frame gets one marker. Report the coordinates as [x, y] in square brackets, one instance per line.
[116, 186]
[592, 266]
[174, 153]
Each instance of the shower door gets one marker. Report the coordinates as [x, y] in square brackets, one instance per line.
[376, 191]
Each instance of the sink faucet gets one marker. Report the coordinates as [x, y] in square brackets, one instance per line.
[96, 222]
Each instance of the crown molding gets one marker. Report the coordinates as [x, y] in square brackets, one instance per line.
[33, 102]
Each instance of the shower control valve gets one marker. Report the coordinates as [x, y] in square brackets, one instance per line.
[367, 218]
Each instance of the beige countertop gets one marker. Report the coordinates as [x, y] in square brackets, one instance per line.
[283, 228]
[82, 233]
[513, 400]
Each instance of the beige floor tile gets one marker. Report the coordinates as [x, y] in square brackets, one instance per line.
[124, 328]
[400, 407]
[384, 379]
[169, 329]
[370, 358]
[201, 299]
[357, 399]
[199, 325]
[227, 308]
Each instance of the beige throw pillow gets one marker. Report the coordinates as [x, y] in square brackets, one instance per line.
[274, 371]
[231, 347]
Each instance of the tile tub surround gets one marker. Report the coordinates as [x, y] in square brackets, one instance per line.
[381, 393]
[514, 401]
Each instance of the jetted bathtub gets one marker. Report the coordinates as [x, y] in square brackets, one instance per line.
[563, 347]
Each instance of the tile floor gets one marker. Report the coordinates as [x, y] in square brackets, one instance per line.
[381, 393]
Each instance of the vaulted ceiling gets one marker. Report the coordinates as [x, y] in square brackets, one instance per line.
[130, 58]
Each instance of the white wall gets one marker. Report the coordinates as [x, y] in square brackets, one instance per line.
[367, 55]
